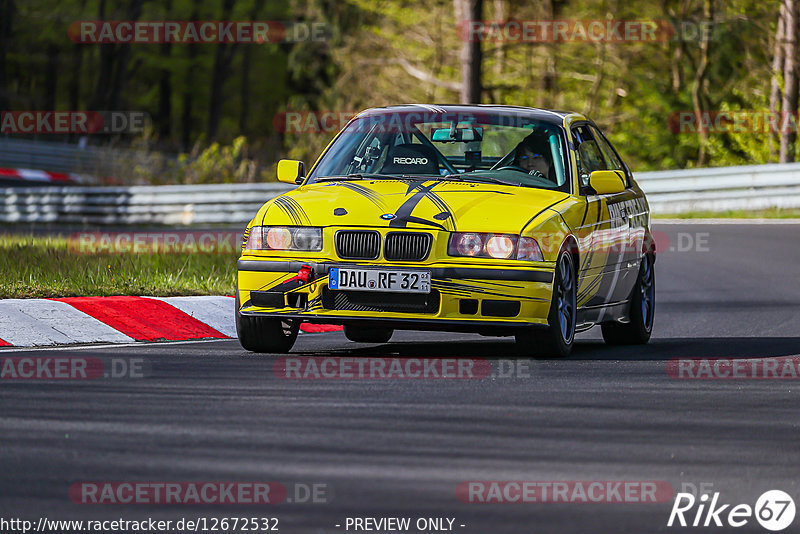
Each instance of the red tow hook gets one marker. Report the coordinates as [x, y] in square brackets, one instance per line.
[303, 275]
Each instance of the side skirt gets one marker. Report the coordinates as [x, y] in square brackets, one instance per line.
[613, 312]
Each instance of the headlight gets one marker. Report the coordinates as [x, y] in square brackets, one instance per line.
[279, 239]
[307, 238]
[284, 238]
[500, 246]
[469, 244]
[497, 246]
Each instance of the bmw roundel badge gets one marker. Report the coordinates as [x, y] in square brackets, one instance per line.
[388, 216]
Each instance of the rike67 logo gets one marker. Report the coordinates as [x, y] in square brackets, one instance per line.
[774, 510]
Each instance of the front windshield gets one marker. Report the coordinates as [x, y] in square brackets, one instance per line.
[481, 147]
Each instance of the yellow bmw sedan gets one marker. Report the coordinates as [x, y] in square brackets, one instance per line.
[499, 220]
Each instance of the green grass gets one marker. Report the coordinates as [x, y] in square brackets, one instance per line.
[772, 213]
[48, 267]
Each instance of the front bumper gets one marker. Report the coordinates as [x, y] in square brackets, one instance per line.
[463, 297]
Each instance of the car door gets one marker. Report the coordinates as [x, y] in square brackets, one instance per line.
[605, 226]
[631, 202]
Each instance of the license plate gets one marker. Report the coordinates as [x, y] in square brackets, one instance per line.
[397, 281]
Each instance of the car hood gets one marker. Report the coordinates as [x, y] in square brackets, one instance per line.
[434, 204]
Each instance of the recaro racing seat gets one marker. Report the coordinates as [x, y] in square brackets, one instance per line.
[411, 158]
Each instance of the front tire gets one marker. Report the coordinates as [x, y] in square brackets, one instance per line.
[367, 335]
[266, 334]
[643, 309]
[557, 339]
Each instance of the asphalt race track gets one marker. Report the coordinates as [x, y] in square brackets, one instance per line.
[209, 411]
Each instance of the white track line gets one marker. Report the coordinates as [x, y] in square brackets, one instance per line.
[32, 322]
[142, 344]
[656, 221]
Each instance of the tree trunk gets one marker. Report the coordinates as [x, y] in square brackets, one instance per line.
[679, 53]
[75, 77]
[470, 55]
[165, 96]
[7, 9]
[51, 78]
[599, 73]
[549, 77]
[103, 80]
[120, 78]
[188, 91]
[500, 14]
[789, 100]
[165, 88]
[698, 85]
[775, 88]
[74, 84]
[244, 98]
[222, 59]
[112, 74]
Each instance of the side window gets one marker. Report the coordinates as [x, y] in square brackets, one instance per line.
[589, 156]
[608, 152]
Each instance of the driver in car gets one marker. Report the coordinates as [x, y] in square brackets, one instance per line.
[529, 155]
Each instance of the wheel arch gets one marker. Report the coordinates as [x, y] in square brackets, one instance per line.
[570, 243]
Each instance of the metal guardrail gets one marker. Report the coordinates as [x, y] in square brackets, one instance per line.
[751, 187]
[51, 156]
[93, 163]
[142, 205]
[718, 189]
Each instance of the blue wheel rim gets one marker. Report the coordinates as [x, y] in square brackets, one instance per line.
[648, 292]
[566, 298]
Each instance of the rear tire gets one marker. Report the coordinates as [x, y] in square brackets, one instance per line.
[643, 309]
[367, 335]
[557, 339]
[266, 334]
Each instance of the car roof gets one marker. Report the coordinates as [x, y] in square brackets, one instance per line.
[545, 115]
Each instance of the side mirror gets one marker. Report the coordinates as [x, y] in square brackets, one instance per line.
[291, 171]
[607, 182]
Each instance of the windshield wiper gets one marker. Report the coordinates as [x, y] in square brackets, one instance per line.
[338, 178]
[361, 176]
[481, 178]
